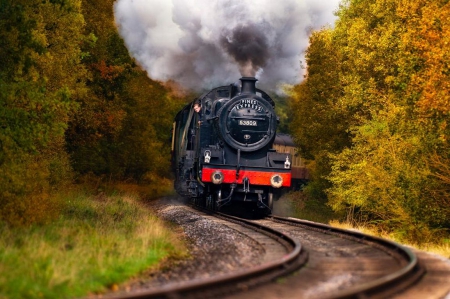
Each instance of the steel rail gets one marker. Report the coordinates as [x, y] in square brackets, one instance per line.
[378, 288]
[235, 281]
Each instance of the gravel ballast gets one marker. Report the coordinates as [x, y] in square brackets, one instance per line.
[215, 248]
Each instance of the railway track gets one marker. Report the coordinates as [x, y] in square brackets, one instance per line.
[328, 263]
[343, 264]
[282, 256]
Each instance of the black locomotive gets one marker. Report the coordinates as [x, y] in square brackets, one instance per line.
[223, 153]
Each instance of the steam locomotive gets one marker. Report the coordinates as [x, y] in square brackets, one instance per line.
[223, 154]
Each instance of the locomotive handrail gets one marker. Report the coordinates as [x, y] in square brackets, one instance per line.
[186, 128]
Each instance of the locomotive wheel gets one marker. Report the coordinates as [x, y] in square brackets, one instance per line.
[196, 201]
[210, 203]
[213, 205]
[217, 200]
[200, 201]
[270, 202]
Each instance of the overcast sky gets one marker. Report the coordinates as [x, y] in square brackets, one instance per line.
[202, 44]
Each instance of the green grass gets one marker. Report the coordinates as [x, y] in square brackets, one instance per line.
[96, 243]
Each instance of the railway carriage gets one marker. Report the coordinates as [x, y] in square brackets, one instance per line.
[223, 155]
[284, 144]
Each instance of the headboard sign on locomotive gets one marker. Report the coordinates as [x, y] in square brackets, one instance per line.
[223, 150]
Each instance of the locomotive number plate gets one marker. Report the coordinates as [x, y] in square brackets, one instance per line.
[248, 123]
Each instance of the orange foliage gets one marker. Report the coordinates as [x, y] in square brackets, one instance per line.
[428, 38]
[110, 72]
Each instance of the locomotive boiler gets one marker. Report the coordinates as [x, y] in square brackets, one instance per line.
[223, 154]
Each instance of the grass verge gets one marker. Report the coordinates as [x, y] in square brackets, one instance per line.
[96, 243]
[440, 247]
[299, 205]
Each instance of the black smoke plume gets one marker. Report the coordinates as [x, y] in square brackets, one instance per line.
[248, 45]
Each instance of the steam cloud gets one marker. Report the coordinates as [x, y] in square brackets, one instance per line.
[202, 44]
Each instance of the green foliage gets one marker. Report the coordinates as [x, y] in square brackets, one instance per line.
[122, 130]
[319, 123]
[376, 105]
[40, 75]
[94, 130]
[146, 136]
[282, 111]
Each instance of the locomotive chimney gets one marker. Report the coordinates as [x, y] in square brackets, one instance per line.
[248, 85]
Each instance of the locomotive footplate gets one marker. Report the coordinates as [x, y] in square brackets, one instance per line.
[262, 176]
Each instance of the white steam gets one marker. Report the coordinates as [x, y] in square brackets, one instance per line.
[201, 44]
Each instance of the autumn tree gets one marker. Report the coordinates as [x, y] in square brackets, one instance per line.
[426, 61]
[97, 123]
[40, 76]
[122, 129]
[319, 125]
[392, 59]
[147, 130]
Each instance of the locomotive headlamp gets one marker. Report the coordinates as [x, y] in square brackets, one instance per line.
[217, 177]
[276, 181]
[207, 156]
[287, 164]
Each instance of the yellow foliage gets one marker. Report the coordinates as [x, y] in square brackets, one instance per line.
[25, 192]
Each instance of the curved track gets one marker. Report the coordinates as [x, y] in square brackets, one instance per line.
[283, 255]
[340, 264]
[343, 264]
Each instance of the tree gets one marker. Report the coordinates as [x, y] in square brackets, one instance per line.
[122, 129]
[40, 75]
[319, 124]
[392, 75]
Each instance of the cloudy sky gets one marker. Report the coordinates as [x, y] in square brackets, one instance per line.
[202, 44]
